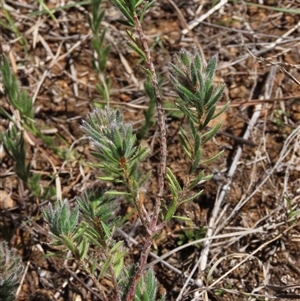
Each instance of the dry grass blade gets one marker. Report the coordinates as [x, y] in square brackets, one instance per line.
[194, 23]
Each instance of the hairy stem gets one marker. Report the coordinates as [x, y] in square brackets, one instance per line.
[161, 124]
[142, 264]
[152, 229]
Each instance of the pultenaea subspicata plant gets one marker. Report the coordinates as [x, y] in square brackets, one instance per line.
[87, 230]
[22, 129]
[11, 267]
[101, 50]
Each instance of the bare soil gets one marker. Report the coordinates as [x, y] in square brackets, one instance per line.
[259, 54]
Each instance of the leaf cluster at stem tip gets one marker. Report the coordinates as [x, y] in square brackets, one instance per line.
[115, 146]
[130, 8]
[11, 268]
[193, 83]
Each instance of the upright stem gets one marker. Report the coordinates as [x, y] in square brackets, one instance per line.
[138, 273]
[153, 229]
[161, 124]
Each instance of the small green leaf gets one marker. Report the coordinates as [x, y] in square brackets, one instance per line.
[185, 94]
[208, 92]
[171, 210]
[145, 8]
[83, 248]
[197, 142]
[185, 143]
[140, 155]
[94, 265]
[132, 5]
[194, 73]
[42, 3]
[197, 62]
[126, 23]
[93, 237]
[119, 267]
[216, 97]
[139, 2]
[131, 36]
[221, 111]
[125, 11]
[185, 110]
[116, 247]
[210, 134]
[104, 268]
[118, 262]
[209, 116]
[69, 243]
[172, 178]
[212, 158]
[192, 197]
[146, 70]
[198, 178]
[196, 160]
[108, 179]
[145, 178]
[211, 67]
[176, 72]
[182, 218]
[185, 58]
[199, 103]
[116, 193]
[138, 50]
[185, 139]
[106, 229]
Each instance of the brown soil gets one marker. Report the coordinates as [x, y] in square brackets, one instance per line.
[259, 57]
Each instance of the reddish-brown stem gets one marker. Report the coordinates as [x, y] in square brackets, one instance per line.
[153, 228]
[161, 123]
[141, 266]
